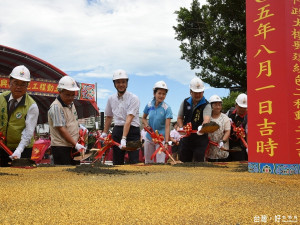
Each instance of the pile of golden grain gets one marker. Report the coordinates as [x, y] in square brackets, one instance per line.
[155, 194]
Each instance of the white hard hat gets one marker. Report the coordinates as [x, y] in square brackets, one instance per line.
[20, 73]
[67, 83]
[160, 84]
[215, 98]
[120, 74]
[241, 100]
[197, 85]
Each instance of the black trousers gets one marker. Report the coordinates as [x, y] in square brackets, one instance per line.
[118, 154]
[4, 157]
[239, 155]
[193, 148]
[176, 148]
[217, 160]
[63, 155]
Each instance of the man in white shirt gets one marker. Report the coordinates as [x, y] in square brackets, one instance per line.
[123, 107]
[18, 116]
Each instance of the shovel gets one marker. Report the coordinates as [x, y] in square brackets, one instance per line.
[82, 156]
[206, 128]
[109, 143]
[23, 162]
[222, 148]
[158, 139]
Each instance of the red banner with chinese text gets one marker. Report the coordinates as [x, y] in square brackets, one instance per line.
[273, 74]
[49, 88]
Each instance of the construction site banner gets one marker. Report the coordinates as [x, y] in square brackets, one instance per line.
[273, 73]
[49, 88]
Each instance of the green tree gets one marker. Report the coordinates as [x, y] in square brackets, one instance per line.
[213, 38]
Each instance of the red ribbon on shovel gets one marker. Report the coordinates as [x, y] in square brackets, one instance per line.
[216, 144]
[108, 143]
[2, 140]
[240, 133]
[81, 140]
[187, 130]
[158, 139]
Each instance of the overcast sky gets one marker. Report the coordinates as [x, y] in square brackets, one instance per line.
[90, 39]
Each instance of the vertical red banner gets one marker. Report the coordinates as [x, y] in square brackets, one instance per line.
[273, 60]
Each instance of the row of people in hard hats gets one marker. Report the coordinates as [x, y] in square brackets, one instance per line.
[224, 136]
[19, 114]
[123, 107]
[197, 110]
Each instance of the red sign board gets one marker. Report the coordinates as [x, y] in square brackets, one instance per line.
[273, 73]
[49, 88]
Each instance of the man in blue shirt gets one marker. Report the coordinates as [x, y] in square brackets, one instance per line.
[197, 110]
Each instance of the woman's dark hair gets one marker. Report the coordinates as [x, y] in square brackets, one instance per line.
[156, 89]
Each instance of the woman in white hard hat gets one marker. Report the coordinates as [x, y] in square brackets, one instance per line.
[160, 115]
[123, 107]
[18, 116]
[238, 116]
[63, 123]
[220, 136]
[194, 109]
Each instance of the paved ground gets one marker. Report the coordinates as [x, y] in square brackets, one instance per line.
[155, 194]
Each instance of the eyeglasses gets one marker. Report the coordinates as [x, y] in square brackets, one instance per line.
[71, 96]
[22, 85]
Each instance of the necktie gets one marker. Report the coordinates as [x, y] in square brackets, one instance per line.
[12, 106]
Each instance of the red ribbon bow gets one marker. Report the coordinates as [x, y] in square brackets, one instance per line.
[240, 133]
[187, 130]
[108, 143]
[158, 139]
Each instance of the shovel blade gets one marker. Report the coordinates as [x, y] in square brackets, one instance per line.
[83, 157]
[23, 162]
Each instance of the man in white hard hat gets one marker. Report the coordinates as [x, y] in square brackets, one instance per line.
[63, 123]
[194, 109]
[18, 116]
[123, 107]
[238, 116]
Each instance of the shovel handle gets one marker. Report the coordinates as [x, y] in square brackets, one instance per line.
[5, 148]
[244, 142]
[216, 144]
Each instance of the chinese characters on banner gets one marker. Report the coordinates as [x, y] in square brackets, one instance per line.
[48, 88]
[273, 73]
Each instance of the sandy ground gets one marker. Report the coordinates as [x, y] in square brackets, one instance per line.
[155, 194]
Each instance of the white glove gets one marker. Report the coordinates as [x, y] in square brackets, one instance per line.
[247, 150]
[198, 132]
[79, 146]
[16, 155]
[123, 143]
[170, 142]
[103, 135]
[221, 144]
